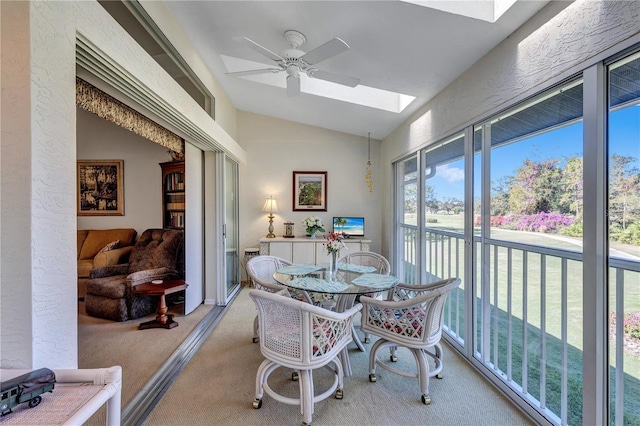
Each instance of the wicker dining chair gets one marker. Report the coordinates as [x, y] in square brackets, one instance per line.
[411, 318]
[303, 337]
[368, 258]
[260, 270]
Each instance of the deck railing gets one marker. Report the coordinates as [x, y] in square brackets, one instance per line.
[528, 315]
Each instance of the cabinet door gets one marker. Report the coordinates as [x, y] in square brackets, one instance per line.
[282, 250]
[352, 247]
[303, 252]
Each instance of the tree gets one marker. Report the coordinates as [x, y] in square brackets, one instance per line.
[450, 204]
[624, 190]
[500, 197]
[537, 187]
[430, 201]
[410, 198]
[572, 187]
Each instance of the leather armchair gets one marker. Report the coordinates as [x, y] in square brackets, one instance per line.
[158, 254]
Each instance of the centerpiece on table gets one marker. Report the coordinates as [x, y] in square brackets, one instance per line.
[334, 244]
[312, 225]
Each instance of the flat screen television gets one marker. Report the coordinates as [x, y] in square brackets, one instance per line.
[351, 226]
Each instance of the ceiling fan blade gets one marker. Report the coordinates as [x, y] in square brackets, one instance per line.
[293, 86]
[331, 48]
[252, 72]
[345, 80]
[260, 49]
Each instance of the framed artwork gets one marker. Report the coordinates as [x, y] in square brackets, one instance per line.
[100, 188]
[310, 191]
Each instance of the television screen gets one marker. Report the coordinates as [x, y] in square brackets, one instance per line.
[351, 226]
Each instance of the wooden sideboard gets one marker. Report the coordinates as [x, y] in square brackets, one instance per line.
[307, 250]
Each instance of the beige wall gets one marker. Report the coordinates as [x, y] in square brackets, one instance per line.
[275, 148]
[99, 139]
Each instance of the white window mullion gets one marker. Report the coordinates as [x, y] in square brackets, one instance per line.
[485, 246]
[595, 336]
[470, 281]
[421, 261]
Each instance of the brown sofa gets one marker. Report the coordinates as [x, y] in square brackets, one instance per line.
[157, 255]
[91, 241]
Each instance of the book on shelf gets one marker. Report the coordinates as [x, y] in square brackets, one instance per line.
[175, 181]
[175, 206]
[176, 220]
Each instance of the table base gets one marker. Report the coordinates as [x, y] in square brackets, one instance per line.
[159, 322]
[160, 289]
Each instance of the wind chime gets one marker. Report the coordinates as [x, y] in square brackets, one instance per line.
[367, 176]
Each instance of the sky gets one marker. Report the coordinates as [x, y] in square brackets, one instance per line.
[624, 139]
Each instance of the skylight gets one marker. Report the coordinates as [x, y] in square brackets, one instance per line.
[485, 10]
[359, 95]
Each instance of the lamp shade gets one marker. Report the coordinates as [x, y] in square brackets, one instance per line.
[270, 205]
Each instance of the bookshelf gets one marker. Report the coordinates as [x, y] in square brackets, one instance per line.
[173, 204]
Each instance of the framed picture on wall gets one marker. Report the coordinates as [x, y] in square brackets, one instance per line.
[100, 188]
[310, 191]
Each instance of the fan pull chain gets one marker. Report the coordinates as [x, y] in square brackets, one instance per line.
[368, 175]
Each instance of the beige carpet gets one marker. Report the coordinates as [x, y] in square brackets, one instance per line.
[104, 343]
[218, 385]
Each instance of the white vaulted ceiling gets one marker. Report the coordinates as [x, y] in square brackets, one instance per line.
[395, 48]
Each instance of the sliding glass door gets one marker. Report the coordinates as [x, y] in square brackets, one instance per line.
[506, 206]
[407, 212]
[231, 229]
[624, 240]
[444, 251]
[528, 321]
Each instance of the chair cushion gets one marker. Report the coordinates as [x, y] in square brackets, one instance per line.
[98, 238]
[113, 287]
[157, 248]
[110, 246]
[81, 236]
[325, 336]
[406, 321]
[84, 267]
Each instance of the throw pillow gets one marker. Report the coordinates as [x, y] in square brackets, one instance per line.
[112, 245]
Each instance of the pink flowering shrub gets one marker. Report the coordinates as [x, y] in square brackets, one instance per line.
[538, 222]
[631, 324]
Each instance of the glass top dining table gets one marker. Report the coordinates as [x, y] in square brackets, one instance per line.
[349, 281]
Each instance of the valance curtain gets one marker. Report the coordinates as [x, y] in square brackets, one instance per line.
[98, 102]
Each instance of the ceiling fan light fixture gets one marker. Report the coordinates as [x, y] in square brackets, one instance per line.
[294, 61]
[293, 71]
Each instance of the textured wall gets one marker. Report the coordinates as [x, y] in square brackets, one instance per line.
[558, 39]
[15, 241]
[38, 175]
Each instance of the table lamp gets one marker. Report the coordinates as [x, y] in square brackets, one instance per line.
[270, 206]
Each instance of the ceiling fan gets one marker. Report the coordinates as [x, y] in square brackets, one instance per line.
[294, 61]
